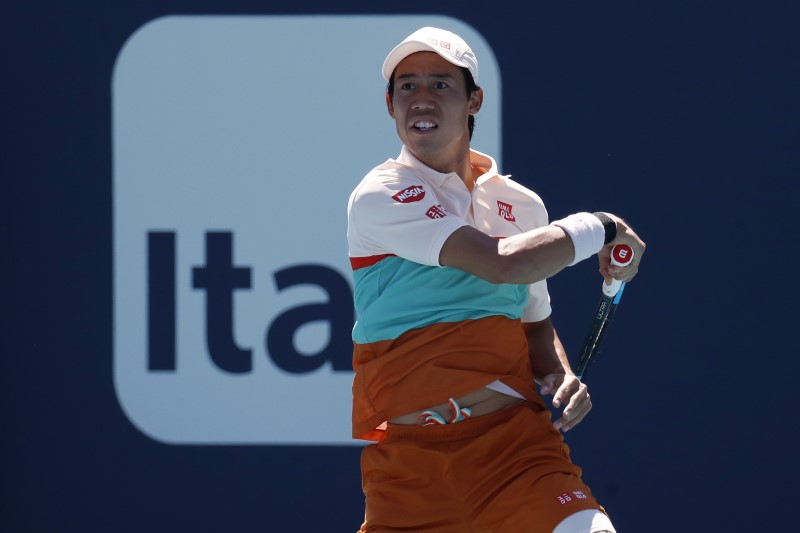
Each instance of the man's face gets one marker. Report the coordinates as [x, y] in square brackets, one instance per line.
[431, 107]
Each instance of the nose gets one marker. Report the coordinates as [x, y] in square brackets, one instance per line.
[422, 100]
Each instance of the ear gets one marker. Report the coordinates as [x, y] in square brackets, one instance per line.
[389, 105]
[475, 101]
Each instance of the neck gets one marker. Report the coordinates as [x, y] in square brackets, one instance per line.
[468, 176]
[458, 164]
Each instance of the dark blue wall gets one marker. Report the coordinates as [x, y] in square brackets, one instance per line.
[680, 116]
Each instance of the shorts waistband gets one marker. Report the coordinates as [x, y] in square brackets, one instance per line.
[471, 427]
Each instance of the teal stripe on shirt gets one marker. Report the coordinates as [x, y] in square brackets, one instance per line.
[396, 295]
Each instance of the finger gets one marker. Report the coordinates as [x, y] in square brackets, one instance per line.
[565, 392]
[608, 277]
[625, 273]
[576, 405]
[575, 415]
[547, 385]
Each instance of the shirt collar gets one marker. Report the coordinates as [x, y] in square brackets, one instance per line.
[476, 158]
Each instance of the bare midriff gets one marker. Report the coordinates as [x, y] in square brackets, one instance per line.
[480, 402]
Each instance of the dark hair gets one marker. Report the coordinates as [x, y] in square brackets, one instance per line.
[469, 81]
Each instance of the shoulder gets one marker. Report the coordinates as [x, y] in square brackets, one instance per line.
[505, 203]
[390, 180]
[505, 185]
[524, 191]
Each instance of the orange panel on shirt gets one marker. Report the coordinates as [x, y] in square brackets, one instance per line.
[426, 366]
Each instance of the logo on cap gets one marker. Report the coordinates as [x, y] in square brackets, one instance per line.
[443, 44]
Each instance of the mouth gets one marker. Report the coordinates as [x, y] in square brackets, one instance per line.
[424, 125]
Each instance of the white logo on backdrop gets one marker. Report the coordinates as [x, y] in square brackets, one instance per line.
[237, 141]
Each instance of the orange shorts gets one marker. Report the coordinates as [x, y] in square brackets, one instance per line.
[507, 471]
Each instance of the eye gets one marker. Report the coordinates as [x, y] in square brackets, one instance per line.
[406, 86]
[441, 85]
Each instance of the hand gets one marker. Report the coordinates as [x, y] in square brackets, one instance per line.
[570, 391]
[625, 235]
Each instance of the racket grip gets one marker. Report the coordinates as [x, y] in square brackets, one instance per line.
[621, 255]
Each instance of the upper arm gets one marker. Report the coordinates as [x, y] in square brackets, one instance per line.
[472, 251]
[524, 258]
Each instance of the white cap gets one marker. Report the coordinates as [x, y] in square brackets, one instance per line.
[445, 43]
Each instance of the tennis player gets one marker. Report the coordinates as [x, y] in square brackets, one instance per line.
[453, 326]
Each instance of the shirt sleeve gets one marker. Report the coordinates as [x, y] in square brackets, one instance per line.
[399, 214]
[538, 307]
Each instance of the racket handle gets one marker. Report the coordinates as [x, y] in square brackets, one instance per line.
[621, 255]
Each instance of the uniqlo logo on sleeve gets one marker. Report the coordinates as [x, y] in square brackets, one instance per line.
[504, 210]
[436, 211]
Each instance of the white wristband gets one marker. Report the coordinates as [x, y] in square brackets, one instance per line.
[587, 233]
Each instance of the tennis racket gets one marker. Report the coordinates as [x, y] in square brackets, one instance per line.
[621, 255]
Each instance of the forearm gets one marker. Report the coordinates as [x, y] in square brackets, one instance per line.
[527, 257]
[535, 255]
[546, 352]
[524, 258]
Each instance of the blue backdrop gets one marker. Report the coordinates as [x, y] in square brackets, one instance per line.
[680, 116]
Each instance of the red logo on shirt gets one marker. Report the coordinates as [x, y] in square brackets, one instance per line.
[505, 211]
[415, 193]
[436, 211]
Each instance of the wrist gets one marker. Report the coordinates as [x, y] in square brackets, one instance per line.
[609, 226]
[586, 232]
